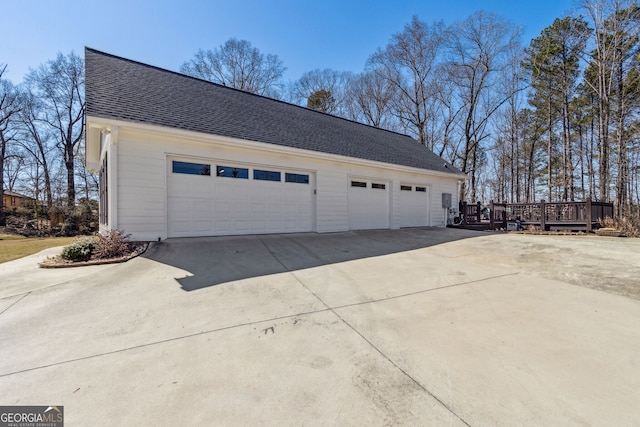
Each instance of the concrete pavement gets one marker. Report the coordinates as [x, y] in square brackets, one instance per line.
[406, 327]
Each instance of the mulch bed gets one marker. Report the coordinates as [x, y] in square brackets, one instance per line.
[58, 262]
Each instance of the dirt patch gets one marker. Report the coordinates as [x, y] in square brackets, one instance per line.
[607, 264]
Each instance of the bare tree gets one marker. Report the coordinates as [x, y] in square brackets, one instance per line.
[35, 136]
[59, 87]
[14, 163]
[478, 50]
[324, 88]
[369, 98]
[448, 116]
[239, 65]
[616, 26]
[407, 63]
[9, 108]
[89, 182]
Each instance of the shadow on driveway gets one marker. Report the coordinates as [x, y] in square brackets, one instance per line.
[215, 260]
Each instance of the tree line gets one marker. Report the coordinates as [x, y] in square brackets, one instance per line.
[557, 119]
[41, 139]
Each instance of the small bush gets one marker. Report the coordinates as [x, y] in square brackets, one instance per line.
[113, 244]
[79, 250]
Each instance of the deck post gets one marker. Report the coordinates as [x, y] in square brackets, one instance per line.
[543, 215]
[479, 213]
[464, 213]
[492, 213]
[589, 215]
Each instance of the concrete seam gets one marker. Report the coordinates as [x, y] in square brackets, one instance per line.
[15, 302]
[424, 291]
[415, 381]
[57, 284]
[333, 310]
[150, 344]
[288, 270]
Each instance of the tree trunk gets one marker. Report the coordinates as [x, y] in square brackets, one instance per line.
[3, 150]
[623, 167]
[71, 187]
[549, 151]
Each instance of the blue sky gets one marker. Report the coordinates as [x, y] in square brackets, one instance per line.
[336, 34]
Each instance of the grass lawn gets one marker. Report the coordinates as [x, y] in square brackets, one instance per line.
[14, 247]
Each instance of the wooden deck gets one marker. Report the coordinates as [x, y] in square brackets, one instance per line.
[575, 216]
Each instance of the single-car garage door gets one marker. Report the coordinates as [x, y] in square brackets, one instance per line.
[414, 205]
[368, 204]
[221, 198]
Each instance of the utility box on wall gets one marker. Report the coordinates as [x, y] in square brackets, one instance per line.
[446, 200]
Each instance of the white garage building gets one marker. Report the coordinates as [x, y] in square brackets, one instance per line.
[183, 157]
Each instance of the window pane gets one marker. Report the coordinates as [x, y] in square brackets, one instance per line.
[266, 175]
[296, 177]
[232, 172]
[422, 189]
[405, 187]
[191, 168]
[358, 184]
[378, 186]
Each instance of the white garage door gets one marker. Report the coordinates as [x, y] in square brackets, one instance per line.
[213, 198]
[414, 205]
[368, 204]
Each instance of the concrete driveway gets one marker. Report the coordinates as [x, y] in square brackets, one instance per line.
[409, 327]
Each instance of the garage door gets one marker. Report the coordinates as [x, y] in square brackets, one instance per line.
[368, 204]
[414, 205]
[211, 198]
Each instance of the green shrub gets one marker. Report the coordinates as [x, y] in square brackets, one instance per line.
[79, 250]
[112, 244]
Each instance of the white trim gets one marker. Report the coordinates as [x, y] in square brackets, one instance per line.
[112, 164]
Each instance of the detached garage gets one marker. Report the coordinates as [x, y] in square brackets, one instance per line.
[181, 157]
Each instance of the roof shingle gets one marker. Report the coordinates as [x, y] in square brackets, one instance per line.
[118, 88]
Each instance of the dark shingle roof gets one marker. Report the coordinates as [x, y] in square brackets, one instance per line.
[117, 88]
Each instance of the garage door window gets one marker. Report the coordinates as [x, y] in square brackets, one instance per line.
[378, 186]
[405, 188]
[263, 175]
[358, 184]
[191, 168]
[231, 172]
[421, 189]
[296, 177]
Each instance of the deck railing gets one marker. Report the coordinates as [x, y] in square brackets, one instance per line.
[556, 215]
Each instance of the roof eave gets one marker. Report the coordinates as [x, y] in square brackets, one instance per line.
[103, 122]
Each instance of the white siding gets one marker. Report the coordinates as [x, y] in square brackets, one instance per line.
[331, 200]
[142, 187]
